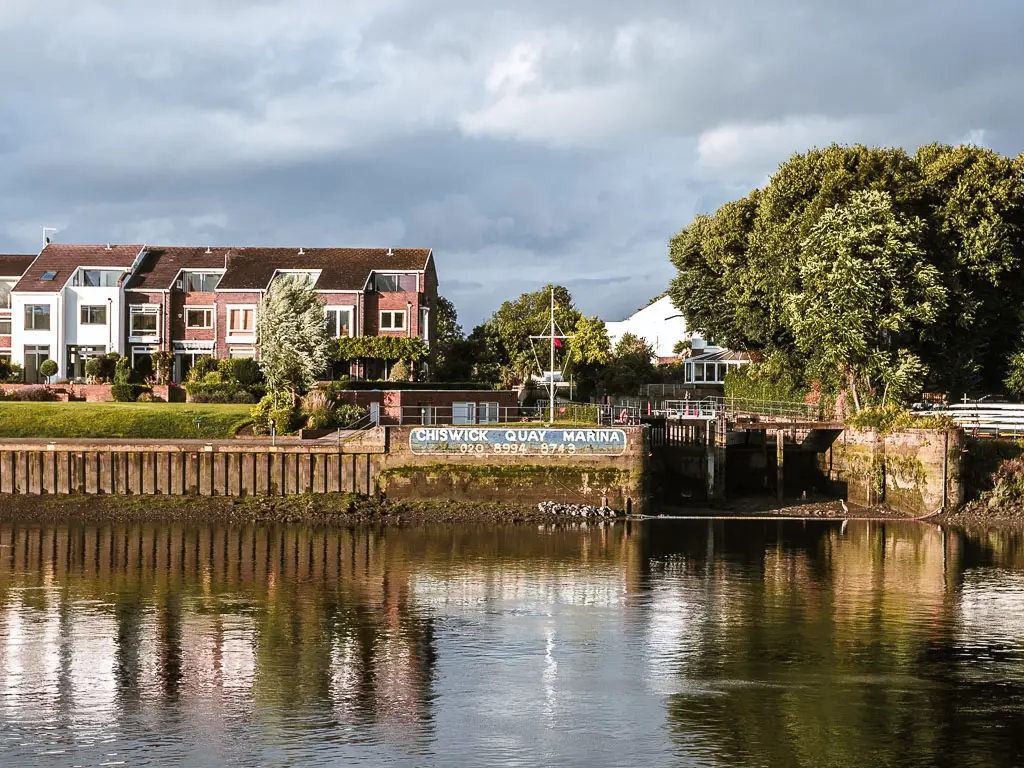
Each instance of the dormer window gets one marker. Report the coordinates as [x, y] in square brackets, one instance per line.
[94, 278]
[394, 283]
[201, 282]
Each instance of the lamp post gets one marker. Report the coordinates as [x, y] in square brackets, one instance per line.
[273, 433]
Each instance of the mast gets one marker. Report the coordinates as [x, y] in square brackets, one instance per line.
[551, 369]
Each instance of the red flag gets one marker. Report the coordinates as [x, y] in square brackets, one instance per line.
[558, 343]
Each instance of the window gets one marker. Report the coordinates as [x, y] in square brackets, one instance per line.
[392, 320]
[198, 318]
[239, 352]
[241, 320]
[94, 316]
[338, 321]
[96, 278]
[488, 413]
[463, 413]
[201, 282]
[144, 322]
[6, 287]
[37, 317]
[394, 283]
[49, 275]
[698, 372]
[5, 326]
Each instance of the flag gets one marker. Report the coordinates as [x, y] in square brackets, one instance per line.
[558, 342]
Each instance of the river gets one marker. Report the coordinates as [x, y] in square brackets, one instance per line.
[655, 643]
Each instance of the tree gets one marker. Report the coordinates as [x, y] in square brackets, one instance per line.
[48, 368]
[739, 270]
[630, 367]
[293, 341]
[503, 345]
[400, 371]
[452, 355]
[589, 353]
[864, 283]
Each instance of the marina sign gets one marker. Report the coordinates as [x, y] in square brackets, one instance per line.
[540, 441]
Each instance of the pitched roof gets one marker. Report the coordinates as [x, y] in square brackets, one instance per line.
[161, 264]
[63, 259]
[722, 356]
[341, 269]
[14, 265]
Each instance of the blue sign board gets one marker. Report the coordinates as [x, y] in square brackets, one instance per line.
[533, 441]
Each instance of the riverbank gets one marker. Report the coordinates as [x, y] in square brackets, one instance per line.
[97, 421]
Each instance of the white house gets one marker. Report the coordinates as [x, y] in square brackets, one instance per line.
[68, 307]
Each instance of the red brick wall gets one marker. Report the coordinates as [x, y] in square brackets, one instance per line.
[400, 405]
[222, 300]
[97, 393]
[179, 303]
[346, 300]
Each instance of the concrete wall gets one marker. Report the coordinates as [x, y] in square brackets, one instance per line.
[620, 481]
[906, 470]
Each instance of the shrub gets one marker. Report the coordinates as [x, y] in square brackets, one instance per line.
[122, 371]
[14, 373]
[94, 368]
[108, 365]
[318, 409]
[244, 371]
[277, 408]
[214, 396]
[5, 370]
[35, 394]
[399, 371]
[202, 367]
[144, 368]
[242, 397]
[163, 366]
[348, 414]
[122, 392]
[148, 397]
[48, 368]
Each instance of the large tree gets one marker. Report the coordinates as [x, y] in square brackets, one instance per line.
[293, 340]
[955, 215]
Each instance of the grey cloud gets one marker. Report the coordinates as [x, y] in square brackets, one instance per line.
[526, 142]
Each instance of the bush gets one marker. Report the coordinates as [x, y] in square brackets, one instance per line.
[277, 408]
[148, 397]
[399, 371]
[48, 368]
[5, 370]
[244, 371]
[34, 394]
[122, 371]
[202, 367]
[94, 368]
[163, 366]
[108, 365]
[124, 393]
[241, 397]
[318, 409]
[13, 375]
[348, 414]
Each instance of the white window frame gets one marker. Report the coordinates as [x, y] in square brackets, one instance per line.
[77, 280]
[240, 336]
[489, 412]
[187, 273]
[336, 333]
[194, 308]
[82, 307]
[10, 322]
[463, 413]
[143, 309]
[9, 285]
[240, 352]
[393, 313]
[49, 317]
[143, 350]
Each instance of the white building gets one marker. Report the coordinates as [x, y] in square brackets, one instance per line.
[68, 307]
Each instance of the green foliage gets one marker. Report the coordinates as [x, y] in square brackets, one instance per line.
[109, 365]
[885, 266]
[122, 371]
[143, 368]
[48, 368]
[893, 418]
[243, 371]
[94, 368]
[380, 348]
[682, 347]
[630, 366]
[163, 366]
[10, 373]
[202, 368]
[134, 420]
[771, 380]
[590, 345]
[452, 353]
[294, 345]
[124, 393]
[321, 410]
[276, 407]
[504, 351]
[400, 371]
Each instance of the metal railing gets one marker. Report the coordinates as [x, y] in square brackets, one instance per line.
[490, 413]
[711, 407]
[995, 419]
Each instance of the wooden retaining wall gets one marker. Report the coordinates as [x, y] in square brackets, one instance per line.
[219, 468]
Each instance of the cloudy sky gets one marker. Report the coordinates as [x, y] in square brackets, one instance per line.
[526, 142]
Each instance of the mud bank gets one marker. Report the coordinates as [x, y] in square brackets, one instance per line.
[323, 509]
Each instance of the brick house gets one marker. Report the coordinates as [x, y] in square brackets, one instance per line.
[197, 302]
[12, 267]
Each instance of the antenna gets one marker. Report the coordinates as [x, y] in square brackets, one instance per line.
[46, 240]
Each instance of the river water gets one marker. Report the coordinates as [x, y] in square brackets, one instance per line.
[655, 643]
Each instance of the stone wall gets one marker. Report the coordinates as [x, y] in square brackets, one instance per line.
[620, 481]
[914, 471]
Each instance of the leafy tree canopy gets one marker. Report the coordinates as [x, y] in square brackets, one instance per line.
[868, 268]
[293, 340]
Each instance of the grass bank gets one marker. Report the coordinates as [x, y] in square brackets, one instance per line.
[131, 420]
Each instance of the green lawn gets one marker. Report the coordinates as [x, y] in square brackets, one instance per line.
[141, 420]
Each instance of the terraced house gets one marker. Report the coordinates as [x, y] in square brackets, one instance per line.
[73, 302]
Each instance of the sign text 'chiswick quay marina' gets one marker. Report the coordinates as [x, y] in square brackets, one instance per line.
[526, 442]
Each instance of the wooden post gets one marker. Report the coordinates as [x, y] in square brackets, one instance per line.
[780, 454]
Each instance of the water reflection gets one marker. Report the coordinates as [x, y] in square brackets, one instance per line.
[775, 644]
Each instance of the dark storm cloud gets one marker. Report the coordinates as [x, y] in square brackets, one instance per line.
[526, 142]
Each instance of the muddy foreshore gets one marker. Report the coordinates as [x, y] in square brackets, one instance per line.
[351, 509]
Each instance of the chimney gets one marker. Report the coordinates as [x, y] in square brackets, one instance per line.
[390, 252]
[208, 250]
[301, 252]
[108, 248]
